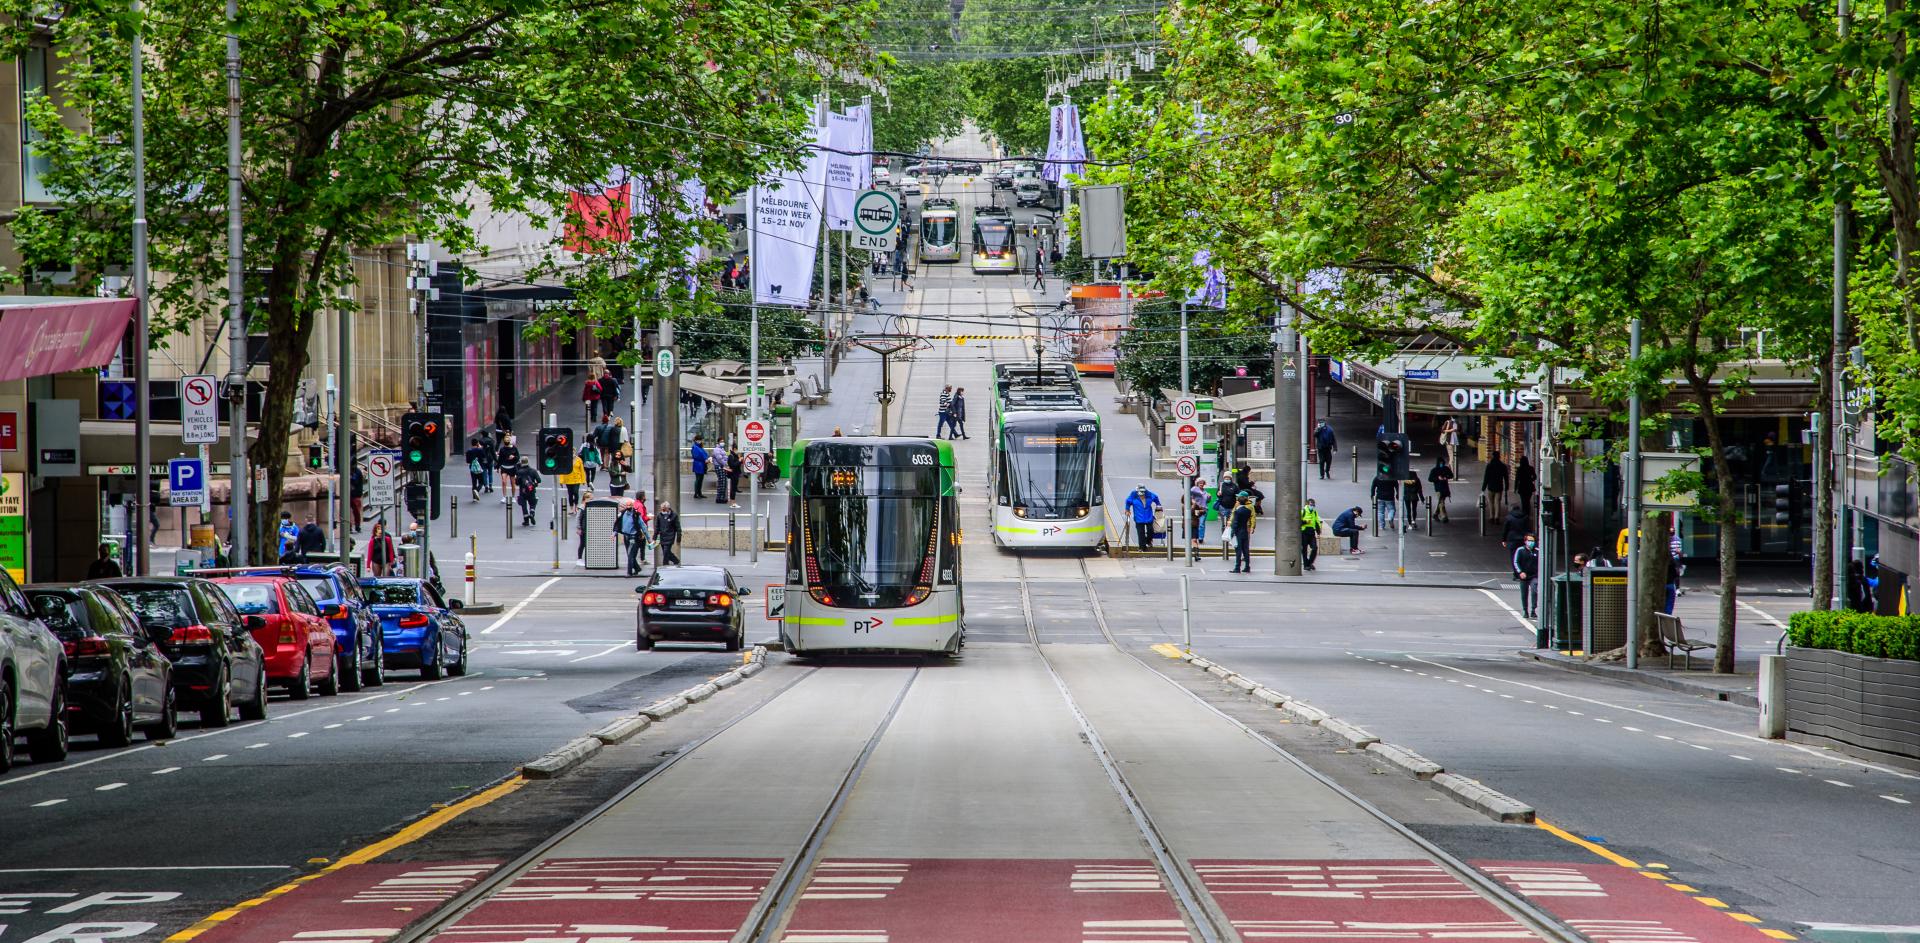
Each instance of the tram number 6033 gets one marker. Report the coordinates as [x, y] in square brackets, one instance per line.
[923, 459]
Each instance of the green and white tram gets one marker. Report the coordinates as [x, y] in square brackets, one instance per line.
[873, 548]
[994, 247]
[940, 231]
[1045, 470]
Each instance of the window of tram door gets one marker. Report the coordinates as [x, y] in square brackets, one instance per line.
[1051, 468]
[992, 238]
[869, 532]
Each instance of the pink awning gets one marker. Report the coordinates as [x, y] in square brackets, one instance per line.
[69, 334]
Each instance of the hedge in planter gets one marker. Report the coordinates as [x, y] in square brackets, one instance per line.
[1858, 633]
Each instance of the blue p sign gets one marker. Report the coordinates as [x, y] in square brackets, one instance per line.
[186, 474]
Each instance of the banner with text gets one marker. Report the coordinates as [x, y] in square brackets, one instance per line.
[786, 222]
[847, 136]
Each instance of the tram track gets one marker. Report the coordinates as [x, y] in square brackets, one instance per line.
[1546, 926]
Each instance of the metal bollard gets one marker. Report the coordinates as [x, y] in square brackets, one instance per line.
[453, 518]
[1481, 512]
[1356, 464]
[730, 532]
[1429, 517]
[1186, 617]
[470, 581]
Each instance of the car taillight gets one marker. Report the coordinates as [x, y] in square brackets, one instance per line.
[720, 599]
[413, 621]
[288, 638]
[193, 633]
[653, 599]
[81, 648]
[334, 612]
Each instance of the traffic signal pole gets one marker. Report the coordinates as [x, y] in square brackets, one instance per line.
[1186, 392]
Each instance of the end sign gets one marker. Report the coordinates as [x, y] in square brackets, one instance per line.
[876, 217]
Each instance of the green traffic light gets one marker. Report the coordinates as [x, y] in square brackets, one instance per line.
[415, 456]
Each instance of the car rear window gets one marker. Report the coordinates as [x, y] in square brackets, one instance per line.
[64, 613]
[320, 588]
[161, 607]
[391, 594]
[252, 599]
[691, 579]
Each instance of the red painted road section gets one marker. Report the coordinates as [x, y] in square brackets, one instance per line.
[1353, 902]
[1611, 904]
[619, 900]
[364, 903]
[971, 901]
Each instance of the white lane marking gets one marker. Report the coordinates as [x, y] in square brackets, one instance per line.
[1602, 720]
[296, 736]
[1634, 729]
[42, 805]
[369, 716]
[330, 726]
[465, 693]
[1515, 613]
[1896, 799]
[609, 651]
[216, 756]
[70, 766]
[165, 771]
[1699, 747]
[522, 604]
[108, 787]
[1663, 736]
[1750, 607]
[486, 687]
[255, 746]
[1659, 716]
[390, 710]
[1784, 769]
[1737, 756]
[443, 699]
[1835, 782]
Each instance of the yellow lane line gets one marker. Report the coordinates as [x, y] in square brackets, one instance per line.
[405, 836]
[1567, 836]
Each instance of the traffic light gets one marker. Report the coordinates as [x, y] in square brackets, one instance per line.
[315, 458]
[417, 500]
[556, 451]
[1553, 512]
[423, 445]
[1391, 456]
[1783, 504]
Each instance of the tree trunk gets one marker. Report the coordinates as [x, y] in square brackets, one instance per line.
[1728, 524]
[1652, 575]
[288, 335]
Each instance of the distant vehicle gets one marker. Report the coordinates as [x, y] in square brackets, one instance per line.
[32, 693]
[882, 177]
[217, 666]
[1003, 178]
[298, 643]
[118, 681]
[940, 231]
[691, 604]
[420, 628]
[993, 241]
[1029, 191]
[909, 185]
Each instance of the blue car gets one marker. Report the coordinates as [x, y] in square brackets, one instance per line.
[358, 658]
[421, 628]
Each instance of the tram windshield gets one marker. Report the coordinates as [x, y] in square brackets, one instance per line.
[993, 238]
[1050, 465]
[868, 531]
[938, 230]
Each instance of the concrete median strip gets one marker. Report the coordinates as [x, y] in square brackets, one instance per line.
[1471, 793]
[580, 750]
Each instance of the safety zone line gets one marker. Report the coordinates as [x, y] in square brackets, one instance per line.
[1657, 872]
[405, 836]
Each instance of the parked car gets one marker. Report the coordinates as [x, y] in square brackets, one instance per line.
[356, 629]
[118, 680]
[32, 693]
[882, 177]
[691, 604]
[422, 629]
[298, 643]
[217, 666]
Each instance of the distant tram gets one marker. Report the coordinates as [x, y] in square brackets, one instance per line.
[873, 548]
[1045, 471]
[940, 231]
[994, 247]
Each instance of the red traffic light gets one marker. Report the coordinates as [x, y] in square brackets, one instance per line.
[430, 427]
[560, 439]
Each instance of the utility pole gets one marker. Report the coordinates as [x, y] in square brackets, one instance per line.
[666, 420]
[1633, 502]
[1829, 584]
[1400, 429]
[239, 494]
[1186, 392]
[420, 275]
[143, 508]
[753, 415]
[343, 434]
[1287, 440]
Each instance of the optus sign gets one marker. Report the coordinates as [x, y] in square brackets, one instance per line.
[1494, 401]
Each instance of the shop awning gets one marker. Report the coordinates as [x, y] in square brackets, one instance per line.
[42, 336]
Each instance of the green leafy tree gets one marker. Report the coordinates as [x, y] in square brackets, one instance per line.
[370, 121]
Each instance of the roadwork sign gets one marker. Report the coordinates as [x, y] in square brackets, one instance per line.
[199, 410]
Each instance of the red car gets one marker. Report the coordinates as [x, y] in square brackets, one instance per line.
[297, 641]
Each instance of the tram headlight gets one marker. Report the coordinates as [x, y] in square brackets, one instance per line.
[1079, 512]
[1019, 511]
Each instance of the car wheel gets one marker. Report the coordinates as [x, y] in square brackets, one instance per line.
[331, 686]
[642, 643]
[118, 730]
[169, 723]
[348, 672]
[430, 669]
[255, 707]
[6, 725]
[218, 712]
[376, 673]
[49, 743]
[458, 669]
[736, 641]
[301, 687]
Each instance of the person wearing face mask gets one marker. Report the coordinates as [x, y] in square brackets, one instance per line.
[1526, 569]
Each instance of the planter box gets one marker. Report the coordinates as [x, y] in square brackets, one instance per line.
[1871, 703]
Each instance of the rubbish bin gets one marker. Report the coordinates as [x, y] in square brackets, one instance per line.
[603, 545]
[1604, 617]
[1568, 607]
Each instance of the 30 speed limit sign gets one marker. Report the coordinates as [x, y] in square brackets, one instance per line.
[1188, 465]
[755, 463]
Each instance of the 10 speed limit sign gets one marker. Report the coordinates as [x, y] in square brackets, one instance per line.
[1185, 409]
[1188, 465]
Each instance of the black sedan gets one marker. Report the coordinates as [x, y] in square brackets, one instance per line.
[217, 665]
[691, 604]
[118, 680]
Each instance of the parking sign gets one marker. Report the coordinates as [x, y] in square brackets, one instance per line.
[186, 483]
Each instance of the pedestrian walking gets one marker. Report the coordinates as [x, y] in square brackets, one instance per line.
[526, 483]
[1243, 484]
[590, 398]
[1526, 569]
[1347, 524]
[357, 494]
[289, 537]
[1324, 444]
[1494, 482]
[945, 424]
[1441, 477]
[959, 410]
[590, 460]
[617, 478]
[1309, 535]
[380, 554]
[312, 539]
[104, 566]
[701, 458]
[489, 458]
[1411, 494]
[1514, 529]
[736, 466]
[609, 393]
[631, 526]
[1386, 497]
[1242, 526]
[502, 421]
[510, 461]
[574, 479]
[580, 526]
[1524, 481]
[1450, 441]
[666, 530]
[1197, 499]
[1141, 505]
[601, 435]
[1039, 270]
[476, 469]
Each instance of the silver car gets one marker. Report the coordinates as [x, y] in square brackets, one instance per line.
[31, 688]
